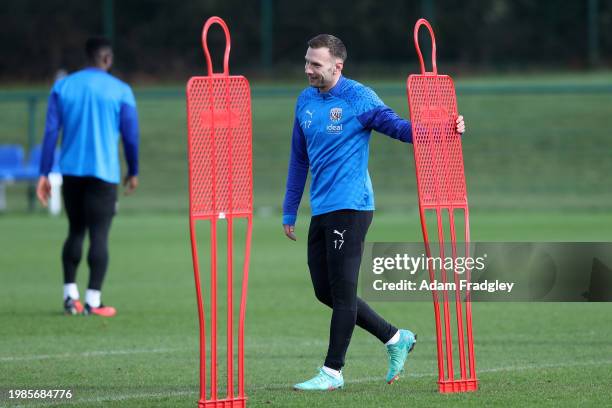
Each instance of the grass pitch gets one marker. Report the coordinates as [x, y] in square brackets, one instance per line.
[555, 354]
[534, 165]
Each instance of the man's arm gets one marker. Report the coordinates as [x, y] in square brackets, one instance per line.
[296, 179]
[384, 120]
[128, 126]
[380, 117]
[53, 125]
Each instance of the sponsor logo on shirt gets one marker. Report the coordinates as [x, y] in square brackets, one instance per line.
[335, 129]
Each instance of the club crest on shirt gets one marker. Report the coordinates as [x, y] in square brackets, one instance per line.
[335, 114]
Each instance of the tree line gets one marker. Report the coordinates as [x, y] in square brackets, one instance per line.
[157, 39]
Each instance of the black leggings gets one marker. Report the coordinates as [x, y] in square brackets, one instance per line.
[90, 205]
[335, 247]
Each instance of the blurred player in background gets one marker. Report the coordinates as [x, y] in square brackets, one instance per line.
[91, 107]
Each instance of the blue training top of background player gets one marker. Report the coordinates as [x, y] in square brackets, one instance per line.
[331, 135]
[92, 107]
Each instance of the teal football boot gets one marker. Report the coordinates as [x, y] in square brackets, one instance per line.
[398, 353]
[321, 382]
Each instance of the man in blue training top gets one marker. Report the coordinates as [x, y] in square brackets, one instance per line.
[334, 118]
[92, 107]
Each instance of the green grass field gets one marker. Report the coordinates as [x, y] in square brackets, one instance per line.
[555, 354]
[537, 167]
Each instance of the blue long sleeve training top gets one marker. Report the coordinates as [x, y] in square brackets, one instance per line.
[331, 134]
[92, 107]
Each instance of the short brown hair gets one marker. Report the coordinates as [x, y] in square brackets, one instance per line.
[335, 45]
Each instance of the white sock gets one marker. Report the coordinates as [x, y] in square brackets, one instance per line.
[394, 339]
[92, 297]
[332, 372]
[71, 291]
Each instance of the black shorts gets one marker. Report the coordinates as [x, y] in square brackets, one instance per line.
[335, 246]
[89, 200]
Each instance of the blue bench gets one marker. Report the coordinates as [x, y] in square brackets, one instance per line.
[11, 160]
[13, 168]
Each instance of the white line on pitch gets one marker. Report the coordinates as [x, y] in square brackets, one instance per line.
[98, 353]
[113, 398]
[104, 353]
[287, 386]
[478, 371]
